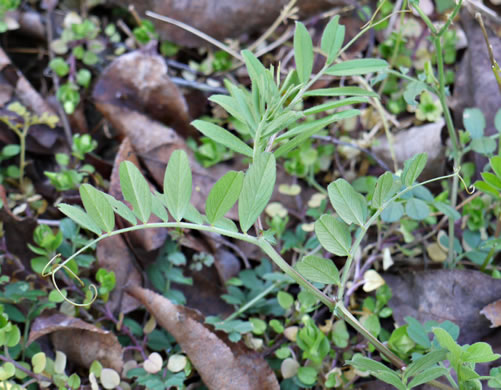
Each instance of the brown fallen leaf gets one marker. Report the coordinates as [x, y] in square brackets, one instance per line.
[221, 364]
[493, 313]
[138, 82]
[80, 341]
[240, 16]
[454, 295]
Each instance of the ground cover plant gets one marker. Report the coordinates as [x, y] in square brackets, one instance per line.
[315, 252]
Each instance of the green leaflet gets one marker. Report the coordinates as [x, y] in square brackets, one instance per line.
[427, 376]
[97, 207]
[332, 39]
[121, 209]
[136, 190]
[348, 203]
[335, 104]
[223, 195]
[413, 168]
[158, 208]
[357, 67]
[178, 184]
[78, 215]
[303, 52]
[333, 235]
[256, 191]
[417, 209]
[341, 91]
[223, 136]
[496, 165]
[474, 122]
[385, 189]
[318, 269]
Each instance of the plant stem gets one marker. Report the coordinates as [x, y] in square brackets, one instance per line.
[258, 297]
[347, 267]
[456, 153]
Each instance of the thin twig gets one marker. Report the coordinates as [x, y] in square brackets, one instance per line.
[55, 80]
[288, 12]
[196, 32]
[336, 141]
[495, 66]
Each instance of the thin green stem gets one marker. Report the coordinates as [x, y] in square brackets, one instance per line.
[342, 312]
[451, 18]
[347, 267]
[253, 301]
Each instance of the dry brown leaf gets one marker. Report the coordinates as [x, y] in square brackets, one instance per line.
[239, 16]
[440, 295]
[221, 364]
[80, 341]
[493, 313]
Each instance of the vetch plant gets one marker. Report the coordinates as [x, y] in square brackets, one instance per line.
[270, 112]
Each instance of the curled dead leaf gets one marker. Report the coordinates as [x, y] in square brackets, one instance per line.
[80, 341]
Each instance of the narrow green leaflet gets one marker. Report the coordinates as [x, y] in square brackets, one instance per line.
[390, 378]
[256, 191]
[223, 195]
[425, 362]
[193, 215]
[357, 67]
[78, 215]
[318, 269]
[386, 187]
[136, 190]
[158, 208]
[487, 188]
[496, 165]
[229, 104]
[97, 207]
[413, 168]
[348, 203]
[333, 235]
[474, 122]
[303, 52]
[254, 67]
[341, 91]
[417, 209]
[178, 184]
[335, 104]
[427, 376]
[332, 39]
[226, 224]
[362, 363]
[309, 129]
[223, 136]
[121, 209]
